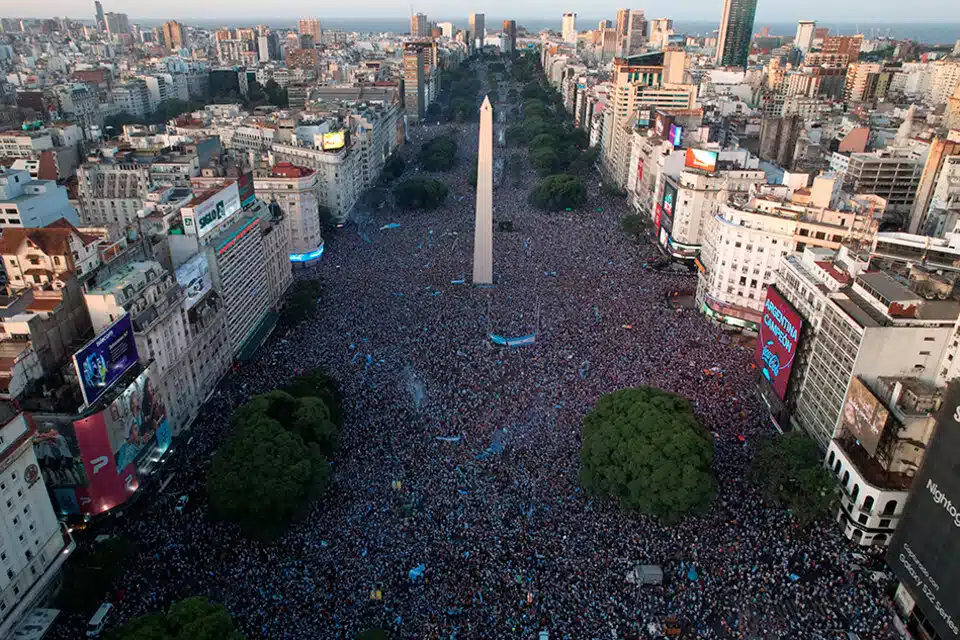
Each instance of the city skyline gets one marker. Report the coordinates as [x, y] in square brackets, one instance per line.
[921, 12]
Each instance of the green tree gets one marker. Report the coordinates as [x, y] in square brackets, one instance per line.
[191, 619]
[544, 141]
[303, 300]
[545, 160]
[317, 384]
[555, 193]
[91, 573]
[394, 167]
[632, 225]
[273, 463]
[789, 470]
[276, 94]
[439, 154]
[420, 193]
[644, 447]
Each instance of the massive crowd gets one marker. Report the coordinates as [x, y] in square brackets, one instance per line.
[460, 457]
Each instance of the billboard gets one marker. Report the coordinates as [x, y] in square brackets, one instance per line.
[639, 171]
[333, 140]
[925, 551]
[668, 205]
[194, 277]
[245, 189]
[701, 159]
[676, 135]
[203, 215]
[107, 357]
[657, 215]
[643, 118]
[777, 341]
[661, 124]
[864, 416]
[136, 422]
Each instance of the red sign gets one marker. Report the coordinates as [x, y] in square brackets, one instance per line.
[656, 216]
[107, 488]
[777, 341]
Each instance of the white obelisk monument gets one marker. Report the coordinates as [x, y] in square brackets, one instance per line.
[483, 234]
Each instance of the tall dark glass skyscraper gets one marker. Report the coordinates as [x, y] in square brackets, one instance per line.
[736, 30]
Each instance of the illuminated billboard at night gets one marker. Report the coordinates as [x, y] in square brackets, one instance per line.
[925, 551]
[104, 359]
[777, 341]
[864, 416]
[668, 205]
[701, 159]
[333, 140]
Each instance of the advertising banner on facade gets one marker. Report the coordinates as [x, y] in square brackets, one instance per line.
[669, 202]
[925, 551]
[194, 277]
[676, 135]
[777, 341]
[136, 423]
[205, 214]
[333, 140]
[864, 416]
[701, 159]
[101, 362]
[661, 124]
[245, 189]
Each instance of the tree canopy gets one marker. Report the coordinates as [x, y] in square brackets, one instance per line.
[91, 572]
[558, 192]
[275, 461]
[191, 619]
[789, 470]
[420, 193]
[644, 447]
[303, 300]
[438, 154]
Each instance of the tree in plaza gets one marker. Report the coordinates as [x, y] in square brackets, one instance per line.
[544, 140]
[317, 384]
[644, 447]
[438, 154]
[555, 193]
[545, 160]
[303, 300]
[394, 167]
[91, 572]
[191, 619]
[789, 470]
[632, 225]
[274, 461]
[420, 193]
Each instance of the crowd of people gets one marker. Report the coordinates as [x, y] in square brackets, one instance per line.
[455, 509]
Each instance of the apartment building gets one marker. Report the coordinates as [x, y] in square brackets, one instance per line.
[891, 176]
[111, 192]
[47, 255]
[25, 202]
[295, 190]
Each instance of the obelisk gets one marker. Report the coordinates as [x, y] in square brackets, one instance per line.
[483, 233]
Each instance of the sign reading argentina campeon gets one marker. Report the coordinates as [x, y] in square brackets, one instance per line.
[777, 341]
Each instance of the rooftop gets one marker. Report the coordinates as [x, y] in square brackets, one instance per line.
[51, 240]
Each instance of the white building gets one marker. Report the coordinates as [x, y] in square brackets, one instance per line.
[804, 39]
[33, 545]
[946, 77]
[25, 144]
[296, 192]
[25, 202]
[111, 193]
[569, 28]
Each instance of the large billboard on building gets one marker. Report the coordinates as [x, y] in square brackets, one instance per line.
[661, 124]
[94, 463]
[777, 341]
[925, 552]
[245, 189]
[194, 277]
[107, 357]
[668, 204]
[864, 416]
[204, 214]
[333, 140]
[701, 159]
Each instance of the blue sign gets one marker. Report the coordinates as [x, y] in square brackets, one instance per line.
[105, 359]
[307, 257]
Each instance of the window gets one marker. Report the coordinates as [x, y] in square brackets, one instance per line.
[885, 523]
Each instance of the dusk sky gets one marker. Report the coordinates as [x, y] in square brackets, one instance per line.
[827, 11]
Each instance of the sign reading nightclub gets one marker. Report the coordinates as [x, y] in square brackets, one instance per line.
[777, 341]
[925, 551]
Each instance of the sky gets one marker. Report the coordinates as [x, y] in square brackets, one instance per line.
[827, 11]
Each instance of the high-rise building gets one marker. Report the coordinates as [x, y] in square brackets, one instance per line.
[268, 46]
[117, 24]
[310, 27]
[447, 30]
[804, 39]
[419, 26]
[101, 23]
[477, 29]
[844, 49]
[569, 28]
[174, 36]
[510, 28]
[660, 31]
[631, 32]
[736, 31]
[419, 71]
